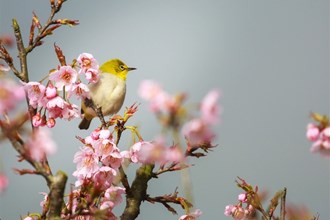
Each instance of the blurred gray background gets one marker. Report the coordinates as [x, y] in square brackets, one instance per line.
[270, 59]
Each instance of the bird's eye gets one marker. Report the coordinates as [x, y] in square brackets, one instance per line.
[122, 67]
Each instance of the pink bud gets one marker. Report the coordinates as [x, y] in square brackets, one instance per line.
[37, 120]
[51, 91]
[242, 197]
[95, 134]
[51, 122]
[313, 132]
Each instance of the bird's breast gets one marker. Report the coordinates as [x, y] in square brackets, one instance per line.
[109, 93]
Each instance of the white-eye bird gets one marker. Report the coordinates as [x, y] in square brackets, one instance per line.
[108, 93]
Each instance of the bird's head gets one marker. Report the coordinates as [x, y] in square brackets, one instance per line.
[116, 67]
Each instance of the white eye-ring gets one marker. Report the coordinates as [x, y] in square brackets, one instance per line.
[122, 67]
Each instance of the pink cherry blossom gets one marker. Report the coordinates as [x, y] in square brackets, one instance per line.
[114, 194]
[65, 76]
[87, 61]
[80, 90]
[210, 108]
[149, 89]
[320, 139]
[59, 108]
[10, 95]
[192, 215]
[40, 144]
[160, 100]
[197, 132]
[35, 92]
[105, 133]
[133, 153]
[87, 162]
[229, 210]
[114, 159]
[163, 102]
[173, 154]
[3, 182]
[146, 152]
[103, 147]
[103, 178]
[92, 75]
[56, 102]
[55, 107]
[237, 212]
[70, 111]
[95, 135]
[51, 91]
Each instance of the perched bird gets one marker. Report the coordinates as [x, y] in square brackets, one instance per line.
[108, 93]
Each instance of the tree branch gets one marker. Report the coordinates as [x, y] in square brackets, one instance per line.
[138, 192]
[56, 193]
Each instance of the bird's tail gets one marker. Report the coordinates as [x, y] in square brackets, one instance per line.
[84, 124]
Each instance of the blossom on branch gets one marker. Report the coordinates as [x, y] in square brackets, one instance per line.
[319, 134]
[198, 131]
[10, 95]
[40, 144]
[160, 100]
[210, 108]
[35, 92]
[87, 163]
[64, 77]
[87, 62]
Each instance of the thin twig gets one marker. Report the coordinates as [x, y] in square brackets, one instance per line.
[23, 75]
[54, 9]
[283, 200]
[123, 176]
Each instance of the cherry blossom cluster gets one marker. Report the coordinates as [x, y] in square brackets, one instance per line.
[154, 152]
[160, 100]
[97, 164]
[98, 161]
[170, 109]
[237, 211]
[198, 131]
[319, 134]
[64, 82]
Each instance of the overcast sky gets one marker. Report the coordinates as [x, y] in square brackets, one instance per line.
[270, 59]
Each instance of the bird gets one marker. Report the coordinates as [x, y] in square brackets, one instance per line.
[108, 93]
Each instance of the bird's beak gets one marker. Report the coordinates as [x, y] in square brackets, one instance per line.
[131, 68]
